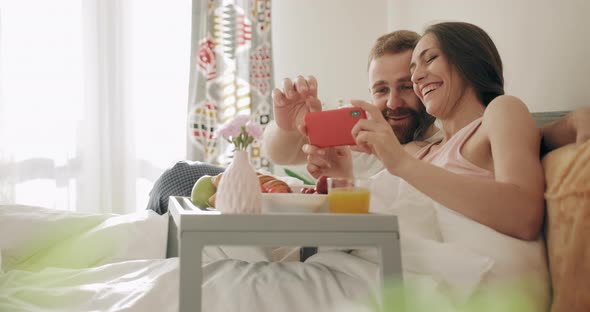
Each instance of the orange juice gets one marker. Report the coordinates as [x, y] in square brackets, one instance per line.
[349, 200]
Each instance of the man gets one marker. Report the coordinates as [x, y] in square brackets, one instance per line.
[285, 142]
[391, 90]
[389, 83]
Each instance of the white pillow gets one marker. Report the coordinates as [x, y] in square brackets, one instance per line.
[455, 270]
[459, 270]
[34, 238]
[515, 260]
[365, 165]
[415, 211]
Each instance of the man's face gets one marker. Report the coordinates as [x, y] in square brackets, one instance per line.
[392, 91]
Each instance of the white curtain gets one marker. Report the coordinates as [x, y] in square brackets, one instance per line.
[93, 100]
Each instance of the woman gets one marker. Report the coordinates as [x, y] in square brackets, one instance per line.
[487, 165]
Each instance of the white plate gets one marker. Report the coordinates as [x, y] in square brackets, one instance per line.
[294, 203]
[299, 187]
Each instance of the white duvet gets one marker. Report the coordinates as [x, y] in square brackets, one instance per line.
[62, 261]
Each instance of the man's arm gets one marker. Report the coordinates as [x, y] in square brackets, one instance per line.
[574, 127]
[284, 138]
[283, 147]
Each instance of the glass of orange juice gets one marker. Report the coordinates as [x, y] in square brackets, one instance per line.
[349, 195]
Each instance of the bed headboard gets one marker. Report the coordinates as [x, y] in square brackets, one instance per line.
[543, 118]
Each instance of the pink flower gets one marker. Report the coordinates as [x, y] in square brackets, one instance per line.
[232, 128]
[240, 131]
[229, 130]
[240, 120]
[255, 130]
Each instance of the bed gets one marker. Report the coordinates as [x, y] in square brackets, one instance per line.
[63, 261]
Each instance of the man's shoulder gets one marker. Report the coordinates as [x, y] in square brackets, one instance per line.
[415, 146]
[437, 136]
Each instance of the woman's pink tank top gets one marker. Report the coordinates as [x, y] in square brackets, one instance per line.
[449, 155]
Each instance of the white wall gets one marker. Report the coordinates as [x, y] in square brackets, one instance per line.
[329, 39]
[545, 44]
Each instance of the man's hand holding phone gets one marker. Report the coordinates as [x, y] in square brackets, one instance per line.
[298, 97]
[329, 133]
[333, 127]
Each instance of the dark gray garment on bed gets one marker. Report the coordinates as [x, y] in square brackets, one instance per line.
[178, 181]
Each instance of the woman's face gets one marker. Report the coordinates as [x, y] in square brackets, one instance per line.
[436, 82]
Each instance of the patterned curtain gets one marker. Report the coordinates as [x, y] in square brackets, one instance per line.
[231, 73]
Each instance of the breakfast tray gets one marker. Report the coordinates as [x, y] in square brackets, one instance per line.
[190, 229]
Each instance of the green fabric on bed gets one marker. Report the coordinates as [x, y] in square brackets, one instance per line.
[85, 246]
[69, 243]
[138, 285]
[33, 238]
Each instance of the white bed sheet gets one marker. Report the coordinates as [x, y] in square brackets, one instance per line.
[64, 261]
[136, 285]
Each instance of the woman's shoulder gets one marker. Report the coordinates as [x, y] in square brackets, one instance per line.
[508, 114]
[506, 108]
[506, 104]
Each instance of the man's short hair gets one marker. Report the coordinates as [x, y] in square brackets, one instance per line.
[392, 43]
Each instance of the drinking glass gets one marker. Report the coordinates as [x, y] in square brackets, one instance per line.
[349, 195]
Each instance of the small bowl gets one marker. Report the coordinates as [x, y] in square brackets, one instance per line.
[294, 203]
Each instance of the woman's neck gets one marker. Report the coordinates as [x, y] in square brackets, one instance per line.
[467, 109]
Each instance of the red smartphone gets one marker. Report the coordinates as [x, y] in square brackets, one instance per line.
[333, 127]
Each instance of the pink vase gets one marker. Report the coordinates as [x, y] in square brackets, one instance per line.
[239, 189]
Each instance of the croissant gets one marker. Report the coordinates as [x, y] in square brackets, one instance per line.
[275, 186]
[263, 179]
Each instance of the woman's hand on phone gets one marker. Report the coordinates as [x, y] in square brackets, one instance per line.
[375, 136]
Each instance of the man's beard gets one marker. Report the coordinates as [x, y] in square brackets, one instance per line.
[414, 125]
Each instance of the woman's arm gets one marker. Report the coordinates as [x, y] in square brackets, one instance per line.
[513, 202]
[574, 127]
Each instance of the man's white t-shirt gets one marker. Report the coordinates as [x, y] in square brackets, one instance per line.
[366, 165]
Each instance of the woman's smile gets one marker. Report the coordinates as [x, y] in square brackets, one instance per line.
[429, 88]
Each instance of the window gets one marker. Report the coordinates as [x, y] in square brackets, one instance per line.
[93, 100]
